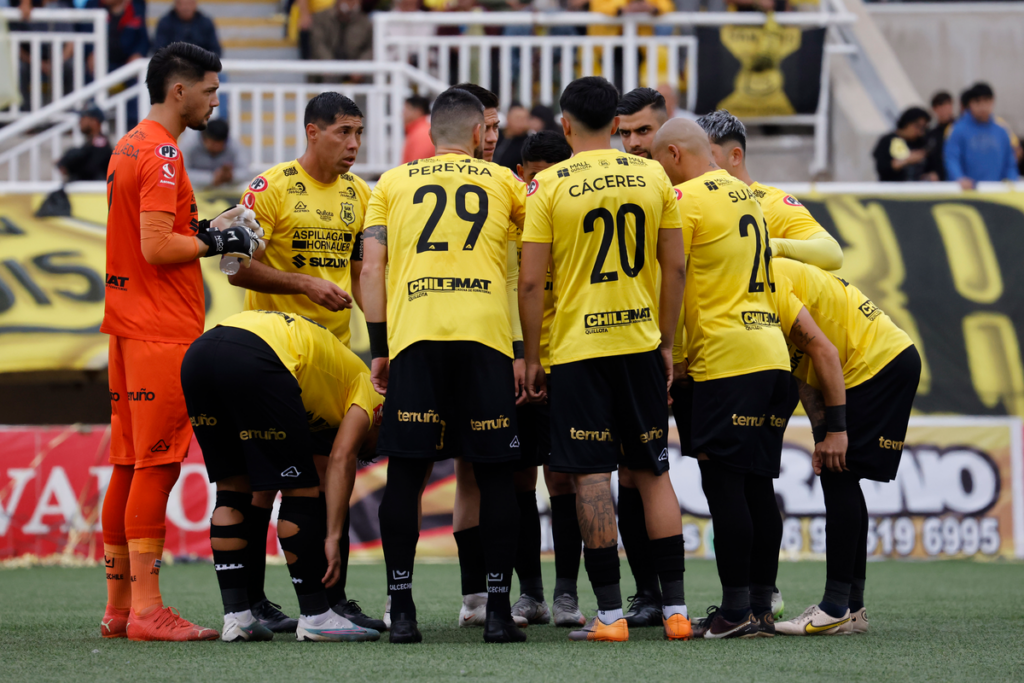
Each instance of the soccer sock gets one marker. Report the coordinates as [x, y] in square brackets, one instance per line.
[230, 550]
[471, 560]
[256, 552]
[670, 563]
[565, 532]
[602, 565]
[115, 544]
[528, 547]
[836, 600]
[145, 527]
[764, 552]
[399, 530]
[860, 565]
[633, 530]
[843, 532]
[499, 531]
[857, 595]
[299, 529]
[724, 490]
[336, 593]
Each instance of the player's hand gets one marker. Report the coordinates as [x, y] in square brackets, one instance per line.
[536, 383]
[966, 183]
[519, 371]
[666, 359]
[247, 217]
[679, 373]
[333, 552]
[379, 370]
[241, 242]
[830, 453]
[327, 294]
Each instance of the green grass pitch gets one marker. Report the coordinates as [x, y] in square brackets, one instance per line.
[939, 621]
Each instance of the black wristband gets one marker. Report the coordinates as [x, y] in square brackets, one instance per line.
[819, 432]
[835, 418]
[378, 339]
[518, 350]
[213, 240]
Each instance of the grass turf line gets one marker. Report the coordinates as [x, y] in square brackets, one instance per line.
[952, 620]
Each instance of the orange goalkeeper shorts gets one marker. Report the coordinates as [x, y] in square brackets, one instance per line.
[149, 422]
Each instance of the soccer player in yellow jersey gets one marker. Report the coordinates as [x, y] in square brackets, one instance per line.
[255, 386]
[439, 227]
[794, 232]
[607, 221]
[881, 369]
[311, 210]
[642, 112]
[736, 359]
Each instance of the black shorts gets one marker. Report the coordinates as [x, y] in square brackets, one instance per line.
[534, 434]
[877, 413]
[246, 411]
[323, 440]
[609, 411]
[739, 420]
[450, 399]
[682, 409]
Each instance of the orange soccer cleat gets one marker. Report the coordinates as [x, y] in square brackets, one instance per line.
[595, 629]
[115, 623]
[166, 624]
[678, 627]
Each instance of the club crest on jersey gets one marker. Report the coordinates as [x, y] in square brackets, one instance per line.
[249, 200]
[791, 201]
[679, 193]
[258, 184]
[378, 414]
[532, 187]
[348, 213]
[169, 152]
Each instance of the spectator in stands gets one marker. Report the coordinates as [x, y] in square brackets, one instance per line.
[88, 162]
[979, 148]
[902, 154]
[186, 24]
[542, 117]
[411, 30]
[342, 31]
[416, 115]
[942, 111]
[127, 36]
[509, 151]
[216, 160]
[46, 59]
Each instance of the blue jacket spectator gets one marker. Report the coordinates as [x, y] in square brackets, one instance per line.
[978, 148]
[187, 24]
[127, 37]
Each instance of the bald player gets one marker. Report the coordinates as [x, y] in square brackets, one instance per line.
[738, 366]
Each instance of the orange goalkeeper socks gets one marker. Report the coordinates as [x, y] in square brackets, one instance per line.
[145, 554]
[145, 526]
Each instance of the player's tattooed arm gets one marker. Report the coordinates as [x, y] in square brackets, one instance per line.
[377, 232]
[595, 511]
[813, 402]
[800, 337]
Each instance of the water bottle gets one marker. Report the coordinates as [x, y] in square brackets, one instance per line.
[229, 265]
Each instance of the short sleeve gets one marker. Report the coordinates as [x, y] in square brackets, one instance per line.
[159, 176]
[793, 220]
[689, 214]
[265, 202]
[670, 217]
[787, 301]
[515, 227]
[377, 207]
[538, 226]
[361, 393]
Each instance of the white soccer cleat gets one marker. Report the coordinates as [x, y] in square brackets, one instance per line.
[332, 627]
[529, 611]
[244, 627]
[474, 610]
[778, 606]
[859, 621]
[813, 622]
[387, 613]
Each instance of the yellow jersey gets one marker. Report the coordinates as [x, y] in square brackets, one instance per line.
[732, 322]
[449, 220]
[866, 338]
[310, 228]
[787, 217]
[331, 376]
[549, 299]
[602, 211]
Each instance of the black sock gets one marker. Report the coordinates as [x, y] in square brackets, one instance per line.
[499, 531]
[307, 547]
[471, 560]
[336, 593]
[232, 574]
[764, 551]
[670, 563]
[760, 598]
[845, 531]
[836, 600]
[256, 534]
[633, 530]
[857, 595]
[399, 529]
[565, 532]
[724, 490]
[602, 566]
[528, 548]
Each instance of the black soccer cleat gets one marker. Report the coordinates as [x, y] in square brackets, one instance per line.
[715, 626]
[765, 624]
[271, 617]
[500, 628]
[404, 630]
[643, 611]
[351, 611]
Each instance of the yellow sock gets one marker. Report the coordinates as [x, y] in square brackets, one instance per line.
[119, 584]
[145, 554]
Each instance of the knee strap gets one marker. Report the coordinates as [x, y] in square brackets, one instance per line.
[302, 512]
[235, 500]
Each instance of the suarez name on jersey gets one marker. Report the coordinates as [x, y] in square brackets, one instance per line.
[448, 223]
[161, 303]
[601, 212]
[732, 321]
[309, 228]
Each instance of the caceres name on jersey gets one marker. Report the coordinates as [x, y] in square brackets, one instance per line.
[310, 228]
[449, 220]
[602, 211]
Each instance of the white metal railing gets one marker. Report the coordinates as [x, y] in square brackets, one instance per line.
[267, 116]
[62, 46]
